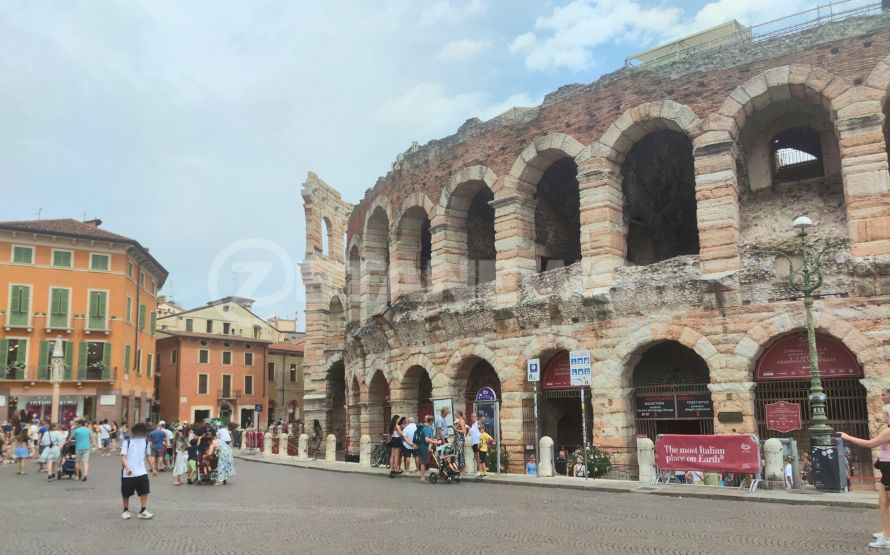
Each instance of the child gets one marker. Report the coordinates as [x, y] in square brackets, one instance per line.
[484, 441]
[192, 460]
[134, 476]
[21, 452]
[532, 467]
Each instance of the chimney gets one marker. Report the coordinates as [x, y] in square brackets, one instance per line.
[96, 222]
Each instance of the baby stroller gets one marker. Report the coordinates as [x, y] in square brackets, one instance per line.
[447, 465]
[206, 470]
[68, 465]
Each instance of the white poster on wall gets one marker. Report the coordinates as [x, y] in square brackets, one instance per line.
[108, 400]
[2, 400]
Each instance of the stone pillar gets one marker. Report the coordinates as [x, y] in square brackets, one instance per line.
[646, 460]
[364, 457]
[303, 448]
[449, 247]
[470, 468]
[514, 233]
[772, 455]
[603, 244]
[282, 444]
[267, 443]
[545, 465]
[734, 397]
[717, 202]
[330, 450]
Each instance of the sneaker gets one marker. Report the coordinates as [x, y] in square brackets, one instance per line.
[145, 515]
[878, 535]
[126, 515]
[880, 543]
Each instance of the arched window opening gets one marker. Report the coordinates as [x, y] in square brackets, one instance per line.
[376, 262]
[413, 251]
[796, 154]
[481, 253]
[336, 324]
[658, 184]
[424, 263]
[558, 217]
[354, 285]
[325, 237]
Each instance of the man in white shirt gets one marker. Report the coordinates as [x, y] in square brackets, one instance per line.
[407, 446]
[105, 437]
[168, 442]
[475, 437]
[789, 474]
[134, 477]
[224, 435]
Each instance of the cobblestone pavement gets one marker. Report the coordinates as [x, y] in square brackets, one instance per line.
[275, 509]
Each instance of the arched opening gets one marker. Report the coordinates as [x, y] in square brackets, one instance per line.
[376, 286]
[472, 223]
[336, 324]
[336, 397]
[481, 375]
[325, 237]
[558, 216]
[782, 374]
[658, 185]
[560, 403]
[413, 251]
[225, 412]
[272, 413]
[417, 388]
[379, 409]
[671, 394]
[354, 285]
[789, 165]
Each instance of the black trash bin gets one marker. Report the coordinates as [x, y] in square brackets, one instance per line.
[236, 438]
[829, 466]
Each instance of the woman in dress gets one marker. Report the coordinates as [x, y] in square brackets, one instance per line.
[882, 441]
[52, 444]
[460, 433]
[316, 437]
[180, 444]
[225, 462]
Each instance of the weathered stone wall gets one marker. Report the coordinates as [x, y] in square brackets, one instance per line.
[725, 303]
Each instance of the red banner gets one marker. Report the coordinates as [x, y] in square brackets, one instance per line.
[789, 359]
[708, 453]
[783, 416]
[557, 375]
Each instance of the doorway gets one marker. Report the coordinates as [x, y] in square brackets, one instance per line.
[201, 415]
[246, 418]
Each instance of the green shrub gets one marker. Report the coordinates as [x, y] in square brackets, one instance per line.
[598, 461]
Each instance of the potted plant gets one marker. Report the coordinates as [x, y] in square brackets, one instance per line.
[598, 461]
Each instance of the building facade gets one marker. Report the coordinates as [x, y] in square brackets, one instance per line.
[284, 371]
[97, 291]
[629, 217]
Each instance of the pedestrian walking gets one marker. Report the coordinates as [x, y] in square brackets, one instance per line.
[408, 446]
[442, 429]
[105, 437]
[882, 441]
[158, 441]
[114, 432]
[52, 443]
[180, 446]
[168, 444]
[395, 445]
[475, 437]
[316, 437]
[225, 462]
[192, 460]
[135, 453]
[460, 433]
[425, 440]
[223, 434]
[485, 440]
[21, 452]
[81, 436]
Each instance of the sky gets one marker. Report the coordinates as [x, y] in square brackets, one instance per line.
[190, 126]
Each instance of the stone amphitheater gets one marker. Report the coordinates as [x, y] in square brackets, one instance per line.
[629, 217]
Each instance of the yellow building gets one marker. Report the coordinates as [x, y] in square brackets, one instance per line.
[97, 291]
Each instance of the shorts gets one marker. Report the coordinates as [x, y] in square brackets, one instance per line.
[50, 454]
[82, 456]
[476, 448]
[158, 451]
[22, 453]
[106, 442]
[884, 467]
[395, 442]
[424, 456]
[407, 452]
[193, 465]
[134, 484]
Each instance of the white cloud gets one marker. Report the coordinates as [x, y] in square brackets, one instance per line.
[462, 50]
[443, 11]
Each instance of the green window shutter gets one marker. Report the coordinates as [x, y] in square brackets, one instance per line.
[142, 316]
[149, 363]
[22, 354]
[18, 309]
[69, 357]
[126, 359]
[98, 308]
[43, 372]
[4, 352]
[154, 319]
[129, 309]
[82, 359]
[58, 317]
[22, 255]
[106, 361]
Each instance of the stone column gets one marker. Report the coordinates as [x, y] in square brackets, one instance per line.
[282, 444]
[603, 244]
[449, 249]
[734, 397]
[512, 417]
[330, 451]
[545, 465]
[646, 460]
[717, 202]
[514, 232]
[364, 457]
[470, 468]
[772, 455]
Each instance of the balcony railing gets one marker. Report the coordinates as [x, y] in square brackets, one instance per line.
[45, 373]
[96, 374]
[14, 372]
[229, 394]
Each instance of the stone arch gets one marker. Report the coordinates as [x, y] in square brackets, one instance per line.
[336, 324]
[627, 352]
[354, 279]
[335, 396]
[376, 292]
[455, 366]
[637, 122]
[416, 359]
[466, 175]
[545, 343]
[541, 153]
[412, 251]
[378, 365]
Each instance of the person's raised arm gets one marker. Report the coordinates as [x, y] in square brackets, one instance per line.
[877, 441]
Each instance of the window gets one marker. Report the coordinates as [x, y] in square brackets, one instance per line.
[154, 287]
[796, 154]
[98, 302]
[14, 352]
[248, 359]
[173, 356]
[189, 324]
[141, 279]
[256, 332]
[19, 306]
[126, 359]
[129, 309]
[61, 259]
[22, 255]
[209, 326]
[138, 361]
[226, 327]
[58, 308]
[141, 317]
[248, 385]
[148, 363]
[130, 270]
[293, 373]
[204, 356]
[203, 383]
[153, 322]
[227, 357]
[95, 360]
[99, 262]
[225, 308]
[271, 371]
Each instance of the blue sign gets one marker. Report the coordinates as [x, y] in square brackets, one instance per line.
[258, 408]
[486, 394]
[579, 368]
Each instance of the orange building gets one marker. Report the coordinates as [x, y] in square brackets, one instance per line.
[97, 291]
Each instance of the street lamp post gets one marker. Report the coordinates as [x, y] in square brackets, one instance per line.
[807, 279]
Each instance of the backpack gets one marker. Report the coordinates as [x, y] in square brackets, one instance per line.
[418, 439]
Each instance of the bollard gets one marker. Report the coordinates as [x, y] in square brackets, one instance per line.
[267, 443]
[282, 444]
[772, 456]
[364, 455]
[470, 467]
[303, 448]
[330, 450]
[545, 465]
[646, 460]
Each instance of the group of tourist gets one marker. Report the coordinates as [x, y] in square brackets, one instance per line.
[409, 440]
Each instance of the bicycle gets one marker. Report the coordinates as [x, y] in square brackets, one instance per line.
[380, 454]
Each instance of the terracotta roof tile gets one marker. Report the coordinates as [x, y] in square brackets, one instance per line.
[67, 226]
[289, 347]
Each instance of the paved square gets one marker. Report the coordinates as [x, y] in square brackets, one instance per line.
[275, 509]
